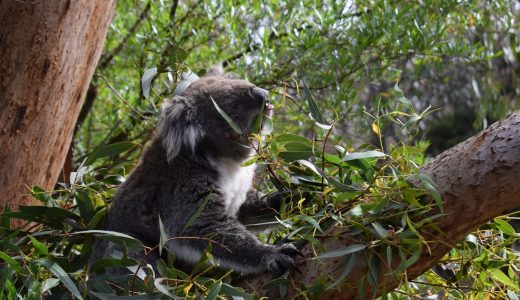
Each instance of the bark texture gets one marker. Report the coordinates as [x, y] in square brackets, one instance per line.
[49, 51]
[477, 179]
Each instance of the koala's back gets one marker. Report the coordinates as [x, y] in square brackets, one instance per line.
[152, 190]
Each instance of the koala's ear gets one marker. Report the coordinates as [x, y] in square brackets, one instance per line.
[216, 70]
[177, 127]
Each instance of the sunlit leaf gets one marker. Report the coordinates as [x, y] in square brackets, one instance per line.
[505, 227]
[362, 155]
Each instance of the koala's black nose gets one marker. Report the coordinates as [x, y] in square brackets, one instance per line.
[260, 94]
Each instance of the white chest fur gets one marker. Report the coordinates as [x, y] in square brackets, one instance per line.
[234, 182]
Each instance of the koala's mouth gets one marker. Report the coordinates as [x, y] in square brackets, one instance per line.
[268, 109]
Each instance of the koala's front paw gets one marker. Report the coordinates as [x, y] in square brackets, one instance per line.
[280, 261]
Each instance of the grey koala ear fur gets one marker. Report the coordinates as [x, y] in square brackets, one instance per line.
[216, 70]
[177, 128]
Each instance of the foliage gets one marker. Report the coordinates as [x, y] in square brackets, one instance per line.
[346, 140]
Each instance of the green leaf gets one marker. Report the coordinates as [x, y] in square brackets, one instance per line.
[342, 252]
[410, 261]
[213, 292]
[290, 156]
[55, 269]
[311, 221]
[429, 186]
[233, 291]
[226, 117]
[114, 236]
[40, 194]
[163, 237]
[505, 227]
[146, 81]
[295, 147]
[102, 296]
[108, 150]
[362, 155]
[86, 209]
[49, 283]
[250, 161]
[197, 213]
[267, 127]
[8, 259]
[257, 125]
[344, 274]
[382, 232]
[51, 216]
[338, 185]
[313, 107]
[104, 263]
[165, 289]
[401, 98]
[38, 246]
[288, 137]
[501, 277]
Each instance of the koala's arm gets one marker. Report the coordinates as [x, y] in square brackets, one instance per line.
[258, 206]
[233, 246]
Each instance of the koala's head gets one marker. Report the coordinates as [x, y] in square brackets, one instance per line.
[190, 123]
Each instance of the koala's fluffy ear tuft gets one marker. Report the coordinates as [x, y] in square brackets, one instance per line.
[177, 129]
[216, 70]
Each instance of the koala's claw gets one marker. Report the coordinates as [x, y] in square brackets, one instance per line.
[281, 261]
[290, 250]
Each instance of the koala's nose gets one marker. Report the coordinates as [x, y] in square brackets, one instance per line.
[262, 94]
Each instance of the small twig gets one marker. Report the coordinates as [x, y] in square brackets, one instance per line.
[118, 96]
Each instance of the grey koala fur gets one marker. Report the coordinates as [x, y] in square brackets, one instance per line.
[194, 161]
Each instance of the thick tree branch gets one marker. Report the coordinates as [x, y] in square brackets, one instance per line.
[477, 179]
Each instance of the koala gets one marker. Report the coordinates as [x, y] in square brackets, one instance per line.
[194, 163]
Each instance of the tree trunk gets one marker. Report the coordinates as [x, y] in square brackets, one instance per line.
[49, 51]
[477, 179]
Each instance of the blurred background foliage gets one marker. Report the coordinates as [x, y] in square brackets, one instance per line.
[391, 83]
[459, 57]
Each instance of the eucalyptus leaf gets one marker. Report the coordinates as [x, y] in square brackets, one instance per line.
[362, 155]
[313, 107]
[226, 117]
[342, 252]
[102, 296]
[62, 276]
[146, 81]
[108, 150]
[14, 264]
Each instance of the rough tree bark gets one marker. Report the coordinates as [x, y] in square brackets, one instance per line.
[49, 51]
[477, 179]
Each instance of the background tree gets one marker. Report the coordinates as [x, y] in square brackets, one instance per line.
[49, 53]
